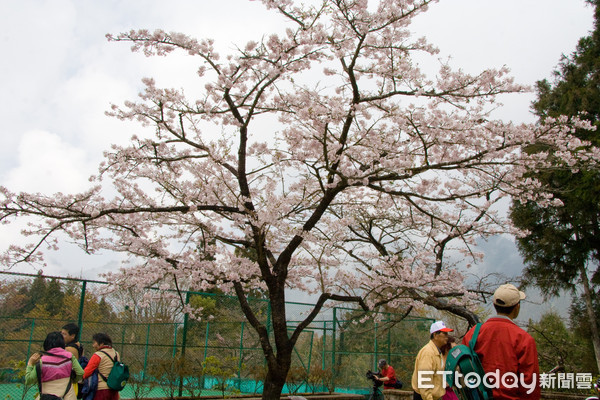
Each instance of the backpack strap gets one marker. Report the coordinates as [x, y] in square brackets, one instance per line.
[68, 388]
[473, 340]
[38, 372]
[114, 360]
[77, 347]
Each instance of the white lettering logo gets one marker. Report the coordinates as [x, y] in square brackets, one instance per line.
[491, 380]
[421, 384]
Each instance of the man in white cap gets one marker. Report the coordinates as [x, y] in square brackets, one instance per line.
[427, 379]
[507, 351]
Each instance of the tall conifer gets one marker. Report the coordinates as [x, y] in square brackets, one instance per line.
[562, 246]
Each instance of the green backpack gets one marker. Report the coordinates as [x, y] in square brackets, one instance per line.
[470, 384]
[118, 376]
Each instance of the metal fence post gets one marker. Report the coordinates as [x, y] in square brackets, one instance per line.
[241, 356]
[25, 387]
[81, 306]
[205, 351]
[30, 338]
[389, 340]
[186, 318]
[375, 346]
[333, 348]
[312, 337]
[324, 345]
[175, 339]
[146, 352]
[123, 340]
[206, 339]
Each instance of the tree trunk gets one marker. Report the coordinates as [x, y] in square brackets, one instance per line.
[587, 295]
[273, 386]
[276, 375]
[279, 359]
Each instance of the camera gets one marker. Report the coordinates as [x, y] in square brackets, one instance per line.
[373, 375]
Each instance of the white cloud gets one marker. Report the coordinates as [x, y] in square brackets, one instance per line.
[47, 164]
[528, 36]
[58, 73]
[84, 98]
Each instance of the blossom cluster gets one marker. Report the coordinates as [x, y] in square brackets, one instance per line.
[321, 158]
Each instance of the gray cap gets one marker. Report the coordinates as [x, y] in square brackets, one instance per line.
[382, 363]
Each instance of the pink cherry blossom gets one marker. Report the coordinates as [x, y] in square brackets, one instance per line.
[321, 159]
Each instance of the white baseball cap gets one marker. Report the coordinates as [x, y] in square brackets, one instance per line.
[438, 326]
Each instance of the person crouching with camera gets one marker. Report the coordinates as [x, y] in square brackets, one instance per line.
[387, 375]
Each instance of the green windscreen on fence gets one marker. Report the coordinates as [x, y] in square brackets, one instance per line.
[218, 352]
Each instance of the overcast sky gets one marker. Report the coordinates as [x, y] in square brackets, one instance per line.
[59, 74]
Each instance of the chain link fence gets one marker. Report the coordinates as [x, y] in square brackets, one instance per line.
[171, 354]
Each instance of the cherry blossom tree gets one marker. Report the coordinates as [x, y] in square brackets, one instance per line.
[321, 158]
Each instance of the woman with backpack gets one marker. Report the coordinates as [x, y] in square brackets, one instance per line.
[102, 361]
[51, 369]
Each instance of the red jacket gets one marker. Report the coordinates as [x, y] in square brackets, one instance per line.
[503, 346]
[389, 372]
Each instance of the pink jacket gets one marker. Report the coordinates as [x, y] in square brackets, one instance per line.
[54, 366]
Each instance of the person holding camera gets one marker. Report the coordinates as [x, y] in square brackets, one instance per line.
[387, 375]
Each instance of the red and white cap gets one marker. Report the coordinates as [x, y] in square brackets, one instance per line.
[438, 326]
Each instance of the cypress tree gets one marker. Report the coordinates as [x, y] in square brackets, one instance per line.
[561, 249]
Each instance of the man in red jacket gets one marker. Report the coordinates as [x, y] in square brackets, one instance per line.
[508, 354]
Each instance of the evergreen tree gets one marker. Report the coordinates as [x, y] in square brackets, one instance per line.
[13, 297]
[562, 246]
[36, 293]
[580, 327]
[562, 346]
[105, 310]
[54, 298]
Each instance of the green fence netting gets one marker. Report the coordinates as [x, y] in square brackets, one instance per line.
[171, 354]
